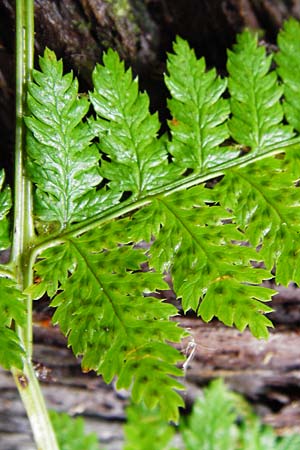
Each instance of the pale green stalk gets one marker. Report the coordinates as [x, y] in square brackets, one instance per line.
[23, 236]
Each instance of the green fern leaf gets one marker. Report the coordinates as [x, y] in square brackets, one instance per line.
[146, 429]
[194, 243]
[12, 309]
[206, 427]
[255, 436]
[127, 131]
[70, 433]
[199, 113]
[288, 60]
[267, 210]
[5, 205]
[62, 162]
[289, 442]
[118, 330]
[255, 96]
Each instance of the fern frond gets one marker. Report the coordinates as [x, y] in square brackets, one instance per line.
[199, 113]
[70, 433]
[206, 427]
[118, 330]
[146, 430]
[5, 205]
[206, 238]
[12, 309]
[265, 201]
[255, 96]
[127, 131]
[62, 162]
[288, 61]
[194, 242]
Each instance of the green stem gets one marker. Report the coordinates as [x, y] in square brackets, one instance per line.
[36, 410]
[23, 236]
[23, 223]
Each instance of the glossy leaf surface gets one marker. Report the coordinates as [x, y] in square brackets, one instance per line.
[288, 60]
[266, 204]
[199, 112]
[62, 161]
[254, 96]
[217, 241]
[127, 131]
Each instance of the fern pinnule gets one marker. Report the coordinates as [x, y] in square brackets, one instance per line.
[12, 310]
[254, 96]
[288, 68]
[136, 160]
[199, 112]
[61, 160]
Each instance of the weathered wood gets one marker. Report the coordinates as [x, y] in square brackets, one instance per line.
[266, 372]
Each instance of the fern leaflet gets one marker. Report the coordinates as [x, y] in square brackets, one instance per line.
[5, 205]
[207, 428]
[256, 111]
[12, 309]
[70, 433]
[145, 429]
[127, 131]
[267, 210]
[62, 162]
[102, 309]
[199, 113]
[193, 242]
[288, 61]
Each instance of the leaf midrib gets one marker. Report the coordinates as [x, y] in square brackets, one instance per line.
[99, 282]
